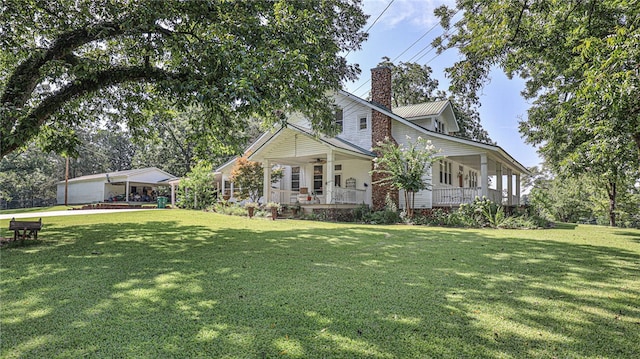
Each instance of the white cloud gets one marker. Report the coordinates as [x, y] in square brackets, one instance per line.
[418, 13]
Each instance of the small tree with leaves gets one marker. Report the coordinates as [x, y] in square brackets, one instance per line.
[248, 176]
[197, 190]
[405, 167]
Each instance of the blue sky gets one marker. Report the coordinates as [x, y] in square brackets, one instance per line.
[404, 22]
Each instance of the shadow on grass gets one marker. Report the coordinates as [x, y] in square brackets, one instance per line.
[165, 289]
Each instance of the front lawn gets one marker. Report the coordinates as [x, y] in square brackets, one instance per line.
[176, 283]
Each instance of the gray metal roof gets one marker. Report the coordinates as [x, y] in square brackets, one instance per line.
[421, 109]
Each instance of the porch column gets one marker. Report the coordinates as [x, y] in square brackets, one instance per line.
[266, 189]
[329, 182]
[517, 189]
[173, 195]
[499, 180]
[509, 187]
[127, 191]
[484, 175]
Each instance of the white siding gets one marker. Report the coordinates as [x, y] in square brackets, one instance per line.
[82, 192]
[352, 111]
[292, 144]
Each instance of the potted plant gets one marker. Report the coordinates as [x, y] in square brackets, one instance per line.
[274, 207]
[251, 207]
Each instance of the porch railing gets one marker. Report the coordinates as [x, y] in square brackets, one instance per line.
[348, 195]
[284, 196]
[455, 196]
[340, 196]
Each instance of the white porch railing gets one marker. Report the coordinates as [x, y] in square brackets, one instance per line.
[348, 195]
[284, 196]
[455, 196]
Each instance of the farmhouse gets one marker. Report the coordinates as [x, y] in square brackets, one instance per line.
[336, 170]
[129, 186]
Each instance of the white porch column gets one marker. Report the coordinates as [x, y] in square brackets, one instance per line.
[128, 190]
[499, 180]
[517, 189]
[173, 195]
[329, 182]
[509, 187]
[266, 189]
[484, 175]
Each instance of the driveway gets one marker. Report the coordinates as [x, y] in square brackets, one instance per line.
[69, 213]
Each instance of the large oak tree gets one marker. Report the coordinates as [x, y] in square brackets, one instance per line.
[581, 63]
[68, 61]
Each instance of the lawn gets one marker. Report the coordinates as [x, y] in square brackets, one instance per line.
[175, 283]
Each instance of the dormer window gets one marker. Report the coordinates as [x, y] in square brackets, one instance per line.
[439, 126]
[338, 120]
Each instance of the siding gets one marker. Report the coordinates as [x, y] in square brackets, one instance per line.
[82, 192]
[352, 111]
[292, 144]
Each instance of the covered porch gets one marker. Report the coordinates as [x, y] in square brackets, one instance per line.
[460, 179]
[317, 171]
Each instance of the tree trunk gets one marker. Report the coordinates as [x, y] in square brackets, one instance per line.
[612, 192]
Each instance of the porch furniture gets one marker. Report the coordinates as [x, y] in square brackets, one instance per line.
[29, 228]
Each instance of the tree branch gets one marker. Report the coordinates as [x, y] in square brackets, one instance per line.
[28, 126]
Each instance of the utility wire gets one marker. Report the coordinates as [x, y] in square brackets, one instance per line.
[375, 21]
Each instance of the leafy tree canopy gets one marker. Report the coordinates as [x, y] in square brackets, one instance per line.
[412, 84]
[71, 61]
[581, 63]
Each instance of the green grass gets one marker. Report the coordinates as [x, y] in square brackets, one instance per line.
[171, 284]
[37, 209]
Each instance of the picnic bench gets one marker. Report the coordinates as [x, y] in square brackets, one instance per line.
[29, 229]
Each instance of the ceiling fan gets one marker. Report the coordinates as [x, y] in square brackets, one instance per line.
[319, 161]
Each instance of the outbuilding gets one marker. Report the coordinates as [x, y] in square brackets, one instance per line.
[137, 185]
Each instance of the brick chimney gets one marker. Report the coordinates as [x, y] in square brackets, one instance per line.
[381, 129]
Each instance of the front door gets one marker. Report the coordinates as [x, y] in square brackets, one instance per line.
[318, 179]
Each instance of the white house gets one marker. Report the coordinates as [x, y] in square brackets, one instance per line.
[336, 170]
[130, 185]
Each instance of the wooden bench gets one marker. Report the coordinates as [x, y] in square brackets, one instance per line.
[29, 229]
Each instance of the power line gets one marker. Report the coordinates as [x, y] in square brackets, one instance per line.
[375, 21]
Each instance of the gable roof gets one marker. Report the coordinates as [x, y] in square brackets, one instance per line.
[434, 108]
[406, 122]
[120, 175]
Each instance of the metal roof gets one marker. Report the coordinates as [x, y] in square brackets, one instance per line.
[421, 110]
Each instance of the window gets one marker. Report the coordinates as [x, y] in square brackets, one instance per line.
[363, 122]
[473, 179]
[337, 168]
[445, 172]
[337, 180]
[317, 179]
[295, 178]
[338, 119]
[439, 126]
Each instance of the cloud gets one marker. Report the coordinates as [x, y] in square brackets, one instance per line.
[417, 13]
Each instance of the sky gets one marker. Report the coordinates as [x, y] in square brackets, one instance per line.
[406, 21]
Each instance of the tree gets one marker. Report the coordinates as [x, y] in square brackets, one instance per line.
[405, 168]
[196, 191]
[412, 84]
[71, 61]
[248, 178]
[580, 60]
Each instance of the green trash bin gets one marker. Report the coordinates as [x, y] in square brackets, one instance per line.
[162, 202]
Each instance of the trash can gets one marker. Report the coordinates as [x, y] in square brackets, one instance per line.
[162, 202]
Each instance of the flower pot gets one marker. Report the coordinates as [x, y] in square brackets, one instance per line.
[250, 211]
[274, 213]
[226, 197]
[304, 190]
